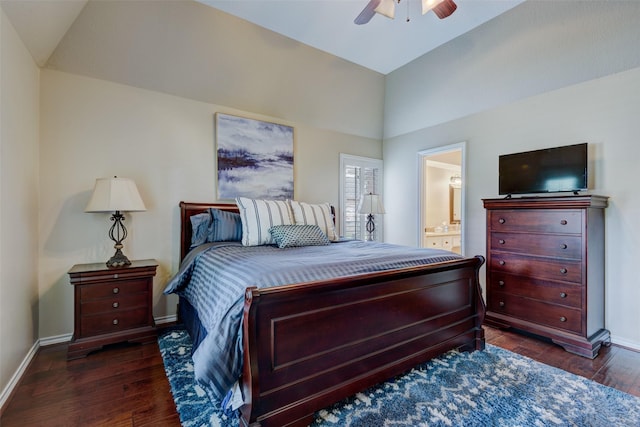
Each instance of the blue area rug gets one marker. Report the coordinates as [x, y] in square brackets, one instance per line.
[494, 387]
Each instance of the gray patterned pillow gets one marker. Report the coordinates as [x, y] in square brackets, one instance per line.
[291, 236]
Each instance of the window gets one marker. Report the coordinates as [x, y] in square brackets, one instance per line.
[358, 176]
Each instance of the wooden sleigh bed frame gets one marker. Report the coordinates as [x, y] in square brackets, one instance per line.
[307, 346]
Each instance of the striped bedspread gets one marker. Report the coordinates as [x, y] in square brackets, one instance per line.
[213, 278]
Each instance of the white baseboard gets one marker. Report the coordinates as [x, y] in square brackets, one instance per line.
[166, 319]
[42, 342]
[625, 343]
[15, 379]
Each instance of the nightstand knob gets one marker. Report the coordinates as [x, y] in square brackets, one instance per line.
[116, 290]
[563, 246]
[500, 282]
[501, 262]
[502, 220]
[501, 241]
[563, 319]
[563, 222]
[563, 295]
[116, 304]
[563, 270]
[115, 321]
[501, 303]
[115, 276]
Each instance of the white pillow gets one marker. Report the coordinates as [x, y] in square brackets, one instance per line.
[319, 214]
[258, 216]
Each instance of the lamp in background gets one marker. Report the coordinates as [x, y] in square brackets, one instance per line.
[370, 205]
[116, 195]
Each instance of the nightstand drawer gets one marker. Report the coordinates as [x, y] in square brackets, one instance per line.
[559, 293]
[536, 311]
[537, 221]
[114, 304]
[554, 245]
[122, 287]
[114, 322]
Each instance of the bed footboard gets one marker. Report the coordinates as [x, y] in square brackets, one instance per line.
[308, 346]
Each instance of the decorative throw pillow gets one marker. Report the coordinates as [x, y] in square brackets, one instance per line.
[318, 214]
[200, 225]
[258, 216]
[225, 227]
[291, 236]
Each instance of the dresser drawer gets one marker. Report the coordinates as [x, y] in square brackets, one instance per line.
[114, 322]
[126, 287]
[114, 304]
[569, 295]
[536, 311]
[537, 267]
[536, 221]
[554, 245]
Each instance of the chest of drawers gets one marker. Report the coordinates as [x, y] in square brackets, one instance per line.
[111, 305]
[545, 268]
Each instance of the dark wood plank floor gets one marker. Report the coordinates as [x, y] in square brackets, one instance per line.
[127, 386]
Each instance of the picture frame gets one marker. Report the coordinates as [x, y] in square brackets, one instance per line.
[254, 158]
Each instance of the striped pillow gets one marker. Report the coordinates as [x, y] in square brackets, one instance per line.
[292, 236]
[226, 226]
[318, 214]
[258, 216]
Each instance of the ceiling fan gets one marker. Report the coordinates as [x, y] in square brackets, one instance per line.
[442, 8]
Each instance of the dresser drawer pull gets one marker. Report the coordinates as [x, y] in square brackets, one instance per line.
[563, 246]
[501, 262]
[116, 290]
[115, 276]
[501, 241]
[116, 304]
[563, 319]
[563, 222]
[563, 295]
[502, 220]
[563, 270]
[115, 321]
[500, 282]
[501, 304]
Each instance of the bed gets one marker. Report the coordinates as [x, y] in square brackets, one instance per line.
[305, 346]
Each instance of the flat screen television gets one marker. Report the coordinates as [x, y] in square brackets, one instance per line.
[550, 170]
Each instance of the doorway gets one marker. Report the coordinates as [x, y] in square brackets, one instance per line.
[442, 196]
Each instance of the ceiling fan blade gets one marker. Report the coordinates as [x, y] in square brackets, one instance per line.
[445, 8]
[368, 12]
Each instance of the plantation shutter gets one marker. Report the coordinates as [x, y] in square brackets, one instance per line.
[360, 175]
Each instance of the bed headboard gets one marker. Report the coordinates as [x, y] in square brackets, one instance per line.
[188, 209]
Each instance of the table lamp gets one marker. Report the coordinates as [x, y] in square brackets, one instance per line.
[116, 195]
[370, 205]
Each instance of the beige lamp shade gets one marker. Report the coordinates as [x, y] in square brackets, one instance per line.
[115, 194]
[370, 204]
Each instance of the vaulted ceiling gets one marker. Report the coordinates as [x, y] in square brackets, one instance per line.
[382, 45]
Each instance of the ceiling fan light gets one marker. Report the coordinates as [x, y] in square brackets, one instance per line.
[444, 8]
[427, 5]
[387, 8]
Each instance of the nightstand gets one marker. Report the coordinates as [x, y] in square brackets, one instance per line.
[111, 305]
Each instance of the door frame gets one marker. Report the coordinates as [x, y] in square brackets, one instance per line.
[422, 157]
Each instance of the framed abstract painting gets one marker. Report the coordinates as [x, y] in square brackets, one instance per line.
[254, 158]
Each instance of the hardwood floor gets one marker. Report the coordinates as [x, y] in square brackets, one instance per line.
[126, 385]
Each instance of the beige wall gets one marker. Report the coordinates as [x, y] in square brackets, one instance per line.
[601, 112]
[92, 128]
[18, 202]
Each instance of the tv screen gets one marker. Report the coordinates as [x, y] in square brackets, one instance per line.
[544, 171]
